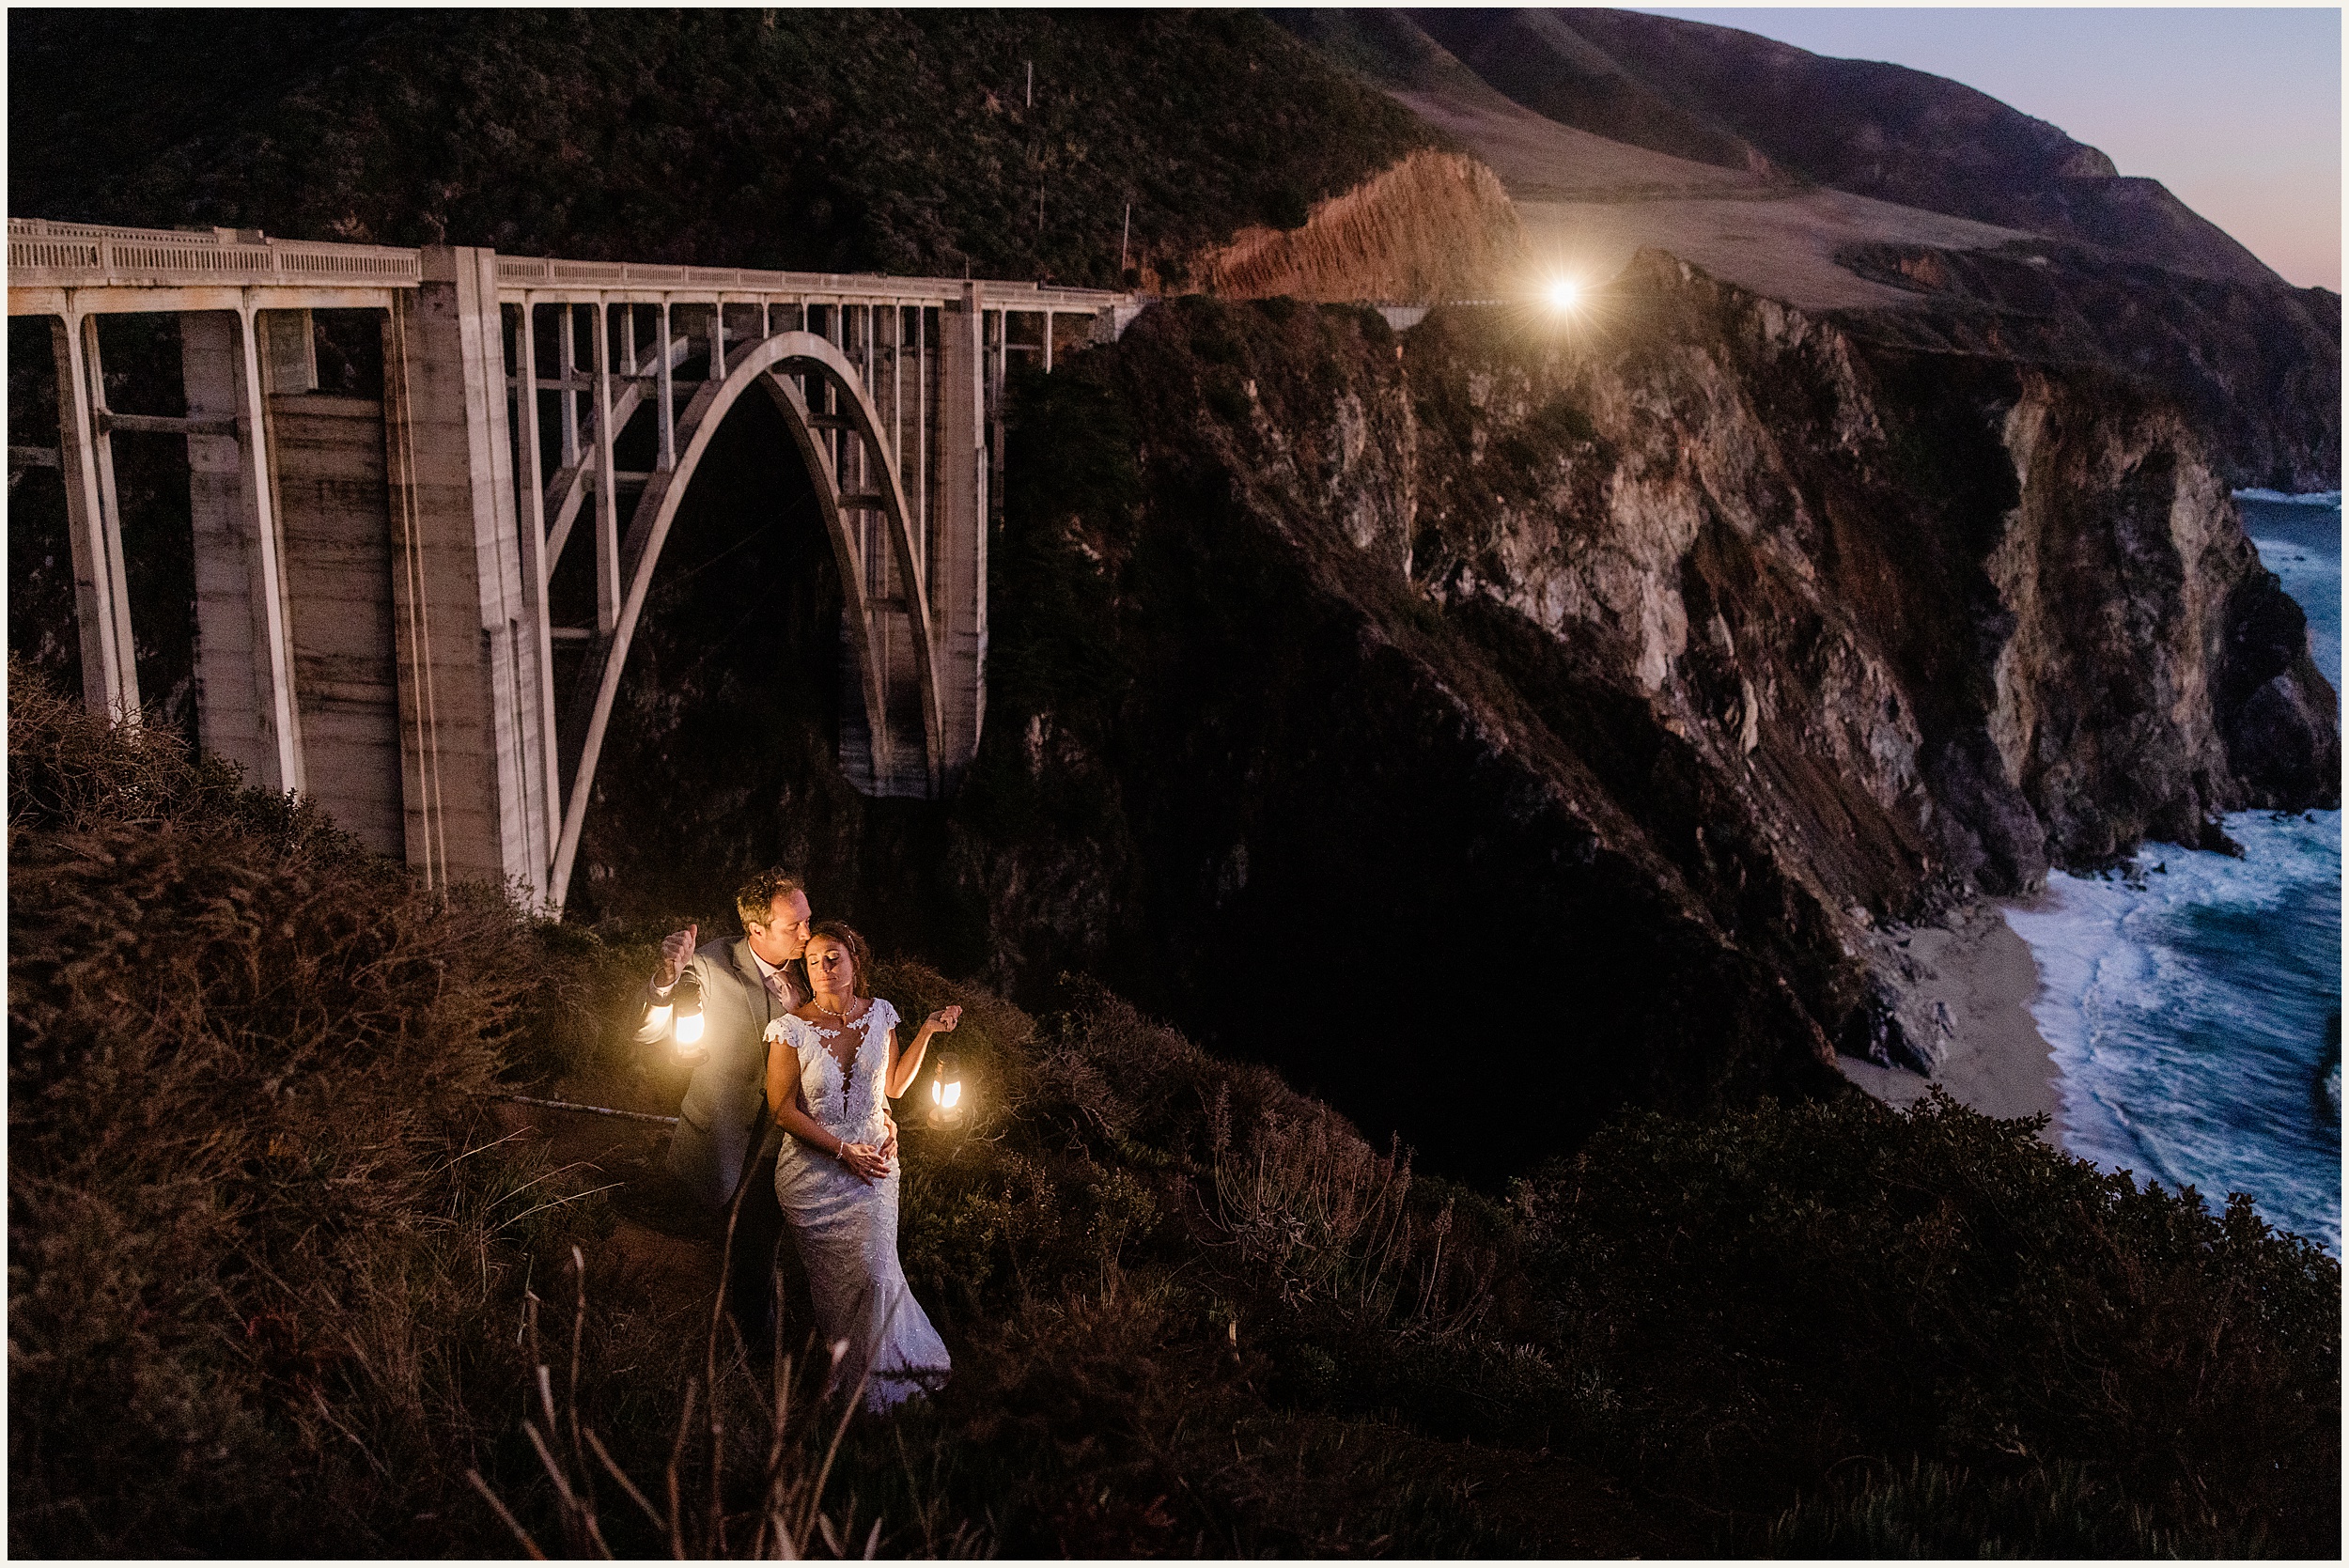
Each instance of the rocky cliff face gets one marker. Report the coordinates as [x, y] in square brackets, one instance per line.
[1626, 682]
[1495, 725]
[2254, 367]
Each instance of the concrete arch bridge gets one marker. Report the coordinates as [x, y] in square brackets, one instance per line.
[375, 577]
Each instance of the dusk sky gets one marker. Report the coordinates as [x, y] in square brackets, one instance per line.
[2237, 110]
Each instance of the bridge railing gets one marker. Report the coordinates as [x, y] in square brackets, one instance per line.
[87, 256]
[45, 253]
[553, 273]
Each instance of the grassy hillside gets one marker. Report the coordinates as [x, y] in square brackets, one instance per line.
[278, 1281]
[907, 142]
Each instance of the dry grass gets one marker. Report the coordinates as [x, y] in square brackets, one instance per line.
[1437, 225]
[261, 1228]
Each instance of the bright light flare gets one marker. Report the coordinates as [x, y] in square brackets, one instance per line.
[689, 1029]
[1564, 295]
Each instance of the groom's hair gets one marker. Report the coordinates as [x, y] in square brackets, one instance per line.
[756, 899]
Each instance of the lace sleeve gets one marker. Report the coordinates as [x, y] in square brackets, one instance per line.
[884, 1017]
[794, 1033]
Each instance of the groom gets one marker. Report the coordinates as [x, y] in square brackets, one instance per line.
[724, 1121]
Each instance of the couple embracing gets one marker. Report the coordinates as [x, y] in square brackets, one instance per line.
[789, 1107]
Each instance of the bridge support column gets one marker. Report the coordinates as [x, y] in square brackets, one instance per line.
[246, 708]
[473, 772]
[958, 541]
[101, 598]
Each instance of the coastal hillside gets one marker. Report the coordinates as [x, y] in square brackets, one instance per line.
[1721, 96]
[1805, 180]
[1447, 800]
[1702, 638]
[1009, 144]
[286, 1277]
[1664, 665]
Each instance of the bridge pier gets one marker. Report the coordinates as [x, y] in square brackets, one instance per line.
[246, 707]
[959, 541]
[101, 598]
[471, 769]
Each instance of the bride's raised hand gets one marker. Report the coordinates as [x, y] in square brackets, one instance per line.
[943, 1020]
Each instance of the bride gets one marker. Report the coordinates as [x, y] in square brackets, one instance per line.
[837, 1187]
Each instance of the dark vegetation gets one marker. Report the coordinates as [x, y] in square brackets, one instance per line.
[278, 1278]
[901, 142]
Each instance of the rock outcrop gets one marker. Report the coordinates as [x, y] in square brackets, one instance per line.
[1640, 675]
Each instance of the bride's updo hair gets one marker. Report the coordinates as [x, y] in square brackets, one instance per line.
[859, 955]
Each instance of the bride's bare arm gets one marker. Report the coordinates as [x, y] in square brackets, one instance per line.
[902, 1066]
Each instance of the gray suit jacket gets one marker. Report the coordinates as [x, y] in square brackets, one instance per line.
[724, 1099]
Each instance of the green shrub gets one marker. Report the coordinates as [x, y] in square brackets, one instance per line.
[1775, 1291]
[265, 1242]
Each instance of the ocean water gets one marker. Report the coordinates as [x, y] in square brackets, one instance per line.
[2193, 1003]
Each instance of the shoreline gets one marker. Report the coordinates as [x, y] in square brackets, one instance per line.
[1968, 986]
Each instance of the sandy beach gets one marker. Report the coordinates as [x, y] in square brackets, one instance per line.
[1969, 985]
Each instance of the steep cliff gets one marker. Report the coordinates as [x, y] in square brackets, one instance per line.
[1736, 637]
[1622, 682]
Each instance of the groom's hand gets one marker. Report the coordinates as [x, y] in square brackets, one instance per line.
[677, 951]
[889, 1136]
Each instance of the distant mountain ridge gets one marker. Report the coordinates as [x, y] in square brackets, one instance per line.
[1733, 99]
[1913, 210]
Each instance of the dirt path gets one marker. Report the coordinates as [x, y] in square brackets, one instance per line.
[662, 1235]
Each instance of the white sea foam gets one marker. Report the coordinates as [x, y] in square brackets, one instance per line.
[2281, 497]
[2193, 1007]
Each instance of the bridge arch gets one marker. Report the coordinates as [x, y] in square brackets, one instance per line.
[417, 536]
[838, 434]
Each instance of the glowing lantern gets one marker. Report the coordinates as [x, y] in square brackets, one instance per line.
[946, 1092]
[686, 1023]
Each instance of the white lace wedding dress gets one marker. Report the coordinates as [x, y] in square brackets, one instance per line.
[846, 1228]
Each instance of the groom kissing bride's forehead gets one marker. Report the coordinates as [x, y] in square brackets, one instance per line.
[776, 916]
[786, 1118]
[724, 1133]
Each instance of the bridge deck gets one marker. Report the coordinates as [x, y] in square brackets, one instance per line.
[200, 266]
